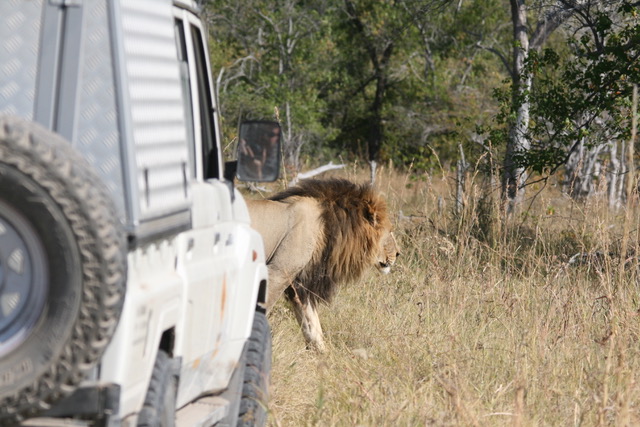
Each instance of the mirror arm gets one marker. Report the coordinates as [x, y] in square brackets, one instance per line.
[230, 169]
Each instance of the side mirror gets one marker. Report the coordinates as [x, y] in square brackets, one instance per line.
[259, 151]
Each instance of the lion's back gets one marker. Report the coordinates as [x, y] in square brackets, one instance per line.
[287, 228]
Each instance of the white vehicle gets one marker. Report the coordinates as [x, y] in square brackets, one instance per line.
[131, 283]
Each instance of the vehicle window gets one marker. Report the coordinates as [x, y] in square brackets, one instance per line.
[209, 150]
[186, 90]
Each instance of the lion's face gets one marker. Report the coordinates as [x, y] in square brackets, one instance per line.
[388, 253]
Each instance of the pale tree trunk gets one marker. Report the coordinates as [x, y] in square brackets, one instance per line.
[518, 142]
[631, 186]
[373, 167]
[591, 168]
[605, 160]
[549, 20]
[583, 165]
[573, 165]
[461, 172]
[292, 144]
[623, 173]
[612, 175]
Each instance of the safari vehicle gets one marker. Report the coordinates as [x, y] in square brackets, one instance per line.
[132, 286]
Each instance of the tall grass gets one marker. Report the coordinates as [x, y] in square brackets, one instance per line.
[481, 323]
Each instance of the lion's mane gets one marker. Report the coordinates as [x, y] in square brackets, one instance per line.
[354, 219]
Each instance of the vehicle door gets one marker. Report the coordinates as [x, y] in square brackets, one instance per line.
[207, 258]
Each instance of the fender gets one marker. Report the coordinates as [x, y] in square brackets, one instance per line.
[151, 307]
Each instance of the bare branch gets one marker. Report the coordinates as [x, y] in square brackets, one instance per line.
[550, 21]
[500, 56]
[317, 171]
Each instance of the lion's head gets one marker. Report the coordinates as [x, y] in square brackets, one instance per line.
[387, 253]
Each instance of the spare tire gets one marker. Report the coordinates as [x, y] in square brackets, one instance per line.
[62, 268]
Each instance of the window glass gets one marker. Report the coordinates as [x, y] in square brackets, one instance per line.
[186, 90]
[209, 150]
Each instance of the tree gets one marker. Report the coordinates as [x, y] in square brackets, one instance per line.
[518, 141]
[551, 112]
[388, 95]
[402, 79]
[582, 103]
[270, 58]
[378, 28]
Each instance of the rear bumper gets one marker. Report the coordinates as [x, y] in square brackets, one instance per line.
[98, 404]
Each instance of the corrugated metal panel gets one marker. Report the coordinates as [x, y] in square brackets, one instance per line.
[20, 37]
[97, 135]
[156, 106]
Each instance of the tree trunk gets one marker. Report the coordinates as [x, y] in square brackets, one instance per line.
[461, 173]
[376, 130]
[586, 163]
[623, 173]
[613, 173]
[373, 167]
[631, 188]
[514, 175]
[375, 133]
[572, 166]
[591, 168]
[380, 55]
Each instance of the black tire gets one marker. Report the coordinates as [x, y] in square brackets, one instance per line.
[62, 269]
[255, 388]
[159, 409]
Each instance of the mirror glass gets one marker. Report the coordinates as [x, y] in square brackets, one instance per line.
[259, 151]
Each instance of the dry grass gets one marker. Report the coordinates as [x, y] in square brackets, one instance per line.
[480, 324]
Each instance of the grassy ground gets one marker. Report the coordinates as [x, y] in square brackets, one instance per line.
[479, 324]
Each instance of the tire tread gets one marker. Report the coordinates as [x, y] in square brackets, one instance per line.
[255, 396]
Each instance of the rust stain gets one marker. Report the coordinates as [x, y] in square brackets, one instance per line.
[254, 256]
[196, 363]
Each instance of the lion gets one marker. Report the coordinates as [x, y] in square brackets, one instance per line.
[318, 235]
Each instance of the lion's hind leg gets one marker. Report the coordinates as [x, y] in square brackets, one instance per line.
[307, 316]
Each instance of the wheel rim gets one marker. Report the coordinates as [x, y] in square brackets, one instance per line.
[23, 284]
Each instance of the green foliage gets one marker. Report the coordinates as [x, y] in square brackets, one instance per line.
[584, 97]
[272, 59]
[311, 66]
[310, 57]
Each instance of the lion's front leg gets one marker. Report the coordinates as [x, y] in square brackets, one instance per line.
[307, 316]
[278, 282]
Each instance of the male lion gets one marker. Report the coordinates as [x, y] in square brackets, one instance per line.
[317, 235]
